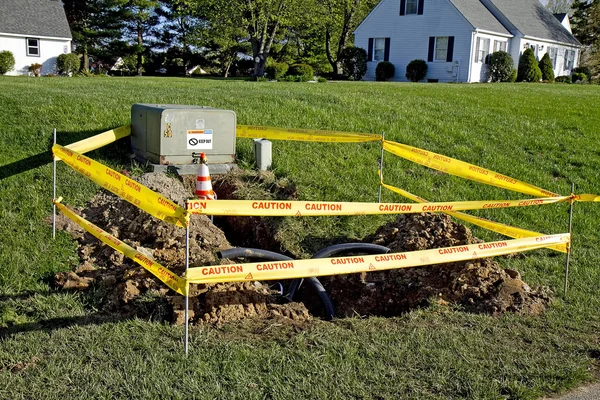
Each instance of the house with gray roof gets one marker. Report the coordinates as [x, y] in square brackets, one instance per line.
[455, 37]
[35, 31]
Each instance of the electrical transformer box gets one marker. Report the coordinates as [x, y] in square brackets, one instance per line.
[174, 135]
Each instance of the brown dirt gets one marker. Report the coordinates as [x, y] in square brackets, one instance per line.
[125, 287]
[476, 285]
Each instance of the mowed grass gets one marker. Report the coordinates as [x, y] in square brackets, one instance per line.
[53, 344]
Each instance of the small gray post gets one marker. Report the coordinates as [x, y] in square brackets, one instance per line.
[570, 244]
[263, 154]
[54, 191]
[381, 166]
[187, 295]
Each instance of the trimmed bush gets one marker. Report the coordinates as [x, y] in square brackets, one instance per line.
[584, 70]
[564, 79]
[416, 70]
[513, 75]
[354, 62]
[384, 71]
[68, 63]
[529, 71]
[276, 70]
[321, 79]
[578, 77]
[7, 62]
[304, 71]
[546, 68]
[501, 67]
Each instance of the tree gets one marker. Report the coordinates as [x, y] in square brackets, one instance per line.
[140, 17]
[528, 71]
[546, 68]
[586, 28]
[559, 6]
[501, 66]
[93, 24]
[341, 18]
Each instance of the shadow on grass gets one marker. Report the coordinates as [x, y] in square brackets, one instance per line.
[110, 152]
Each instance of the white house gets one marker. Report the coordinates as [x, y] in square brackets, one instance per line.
[455, 36]
[35, 31]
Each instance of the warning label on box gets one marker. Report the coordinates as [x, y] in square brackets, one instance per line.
[199, 139]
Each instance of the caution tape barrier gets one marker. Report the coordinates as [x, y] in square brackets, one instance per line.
[303, 135]
[124, 187]
[507, 230]
[349, 265]
[282, 208]
[169, 278]
[100, 140]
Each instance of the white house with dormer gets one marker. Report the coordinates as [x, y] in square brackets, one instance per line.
[455, 37]
[35, 31]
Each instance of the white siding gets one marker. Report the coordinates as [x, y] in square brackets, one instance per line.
[560, 68]
[50, 48]
[409, 38]
[479, 70]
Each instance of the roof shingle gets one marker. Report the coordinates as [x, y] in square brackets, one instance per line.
[479, 16]
[34, 18]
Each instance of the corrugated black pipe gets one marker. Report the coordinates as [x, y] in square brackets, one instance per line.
[272, 256]
[336, 250]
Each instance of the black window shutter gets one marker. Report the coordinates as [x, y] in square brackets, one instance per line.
[402, 6]
[370, 50]
[420, 7]
[450, 49]
[386, 51]
[431, 48]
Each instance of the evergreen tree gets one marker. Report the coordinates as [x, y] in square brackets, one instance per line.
[528, 71]
[586, 28]
[547, 68]
[140, 17]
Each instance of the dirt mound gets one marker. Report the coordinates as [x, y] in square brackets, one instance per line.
[122, 286]
[478, 285]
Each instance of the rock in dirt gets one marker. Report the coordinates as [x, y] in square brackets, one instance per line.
[477, 285]
[130, 290]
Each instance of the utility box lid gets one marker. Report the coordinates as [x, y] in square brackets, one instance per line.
[170, 134]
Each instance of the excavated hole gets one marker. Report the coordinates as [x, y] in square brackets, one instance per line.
[118, 285]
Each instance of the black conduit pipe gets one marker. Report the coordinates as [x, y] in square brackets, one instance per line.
[272, 256]
[335, 250]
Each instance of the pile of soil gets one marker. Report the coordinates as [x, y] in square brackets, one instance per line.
[124, 287]
[479, 285]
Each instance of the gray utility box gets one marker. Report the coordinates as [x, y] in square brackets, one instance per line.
[169, 134]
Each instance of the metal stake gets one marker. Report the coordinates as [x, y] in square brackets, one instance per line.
[54, 191]
[187, 294]
[381, 167]
[571, 242]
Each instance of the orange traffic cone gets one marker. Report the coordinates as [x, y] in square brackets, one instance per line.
[203, 185]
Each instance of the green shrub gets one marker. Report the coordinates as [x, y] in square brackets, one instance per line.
[529, 71]
[7, 62]
[354, 62]
[276, 70]
[384, 71]
[321, 79]
[578, 77]
[304, 71]
[416, 70]
[513, 75]
[546, 68]
[68, 63]
[35, 69]
[584, 70]
[501, 67]
[564, 79]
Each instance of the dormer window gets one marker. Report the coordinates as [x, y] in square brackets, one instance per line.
[411, 7]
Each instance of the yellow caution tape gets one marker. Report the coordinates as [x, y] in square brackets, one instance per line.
[463, 169]
[281, 208]
[124, 187]
[170, 279]
[349, 265]
[100, 140]
[304, 135]
[587, 197]
[507, 230]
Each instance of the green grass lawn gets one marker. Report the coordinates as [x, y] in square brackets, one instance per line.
[53, 345]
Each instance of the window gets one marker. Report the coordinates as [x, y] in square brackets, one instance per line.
[441, 48]
[379, 49]
[33, 47]
[482, 50]
[569, 59]
[552, 53]
[499, 45]
[411, 7]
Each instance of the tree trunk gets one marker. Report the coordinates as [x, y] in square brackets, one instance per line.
[140, 40]
[86, 59]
